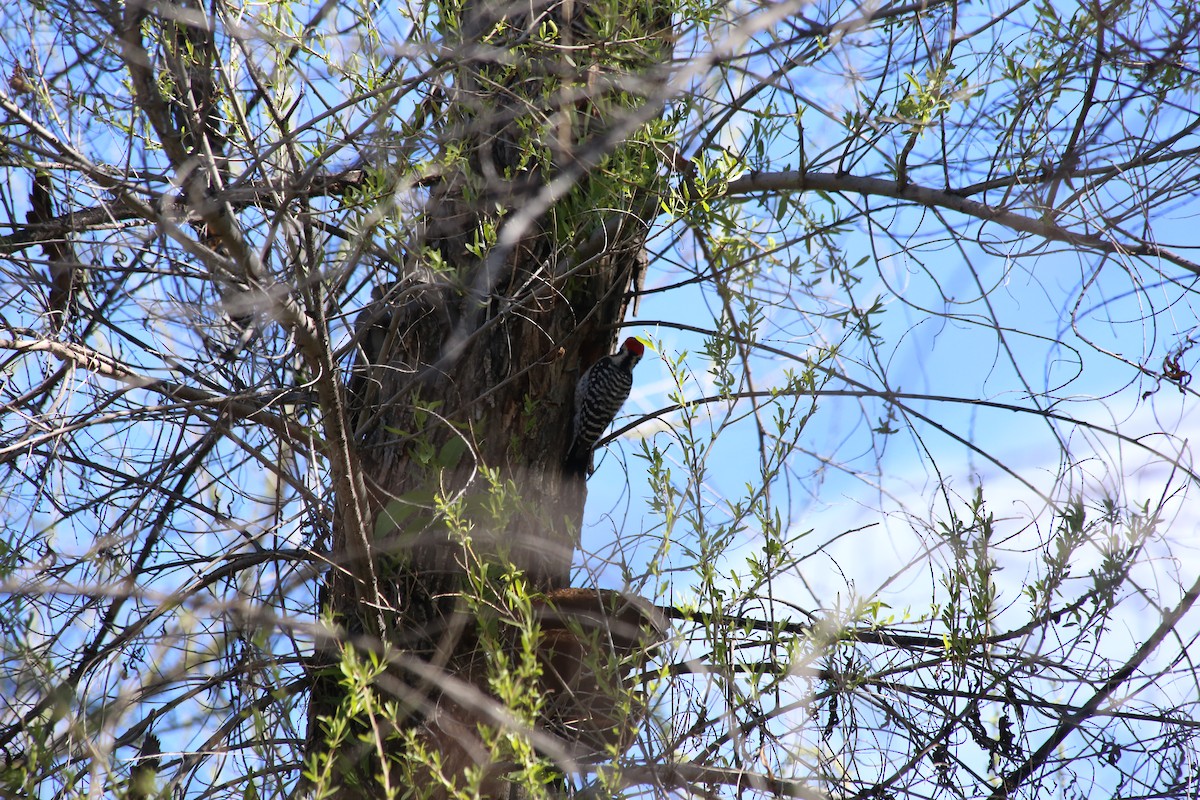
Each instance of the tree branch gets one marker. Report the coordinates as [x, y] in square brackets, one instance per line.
[111, 215]
[1069, 724]
[794, 180]
[109, 367]
[685, 776]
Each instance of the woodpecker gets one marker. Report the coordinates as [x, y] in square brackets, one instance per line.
[599, 395]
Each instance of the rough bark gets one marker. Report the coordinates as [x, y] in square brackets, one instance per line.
[463, 388]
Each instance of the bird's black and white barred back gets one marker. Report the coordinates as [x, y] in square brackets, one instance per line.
[599, 395]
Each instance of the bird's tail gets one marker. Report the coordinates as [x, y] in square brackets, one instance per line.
[578, 463]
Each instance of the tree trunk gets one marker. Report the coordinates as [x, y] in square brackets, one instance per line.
[463, 390]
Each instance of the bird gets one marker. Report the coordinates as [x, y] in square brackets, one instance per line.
[599, 395]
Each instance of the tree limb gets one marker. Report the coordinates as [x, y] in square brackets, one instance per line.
[99, 364]
[794, 180]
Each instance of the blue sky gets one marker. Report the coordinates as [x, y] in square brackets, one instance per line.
[847, 479]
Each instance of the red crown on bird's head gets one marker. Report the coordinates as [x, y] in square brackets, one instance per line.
[634, 345]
